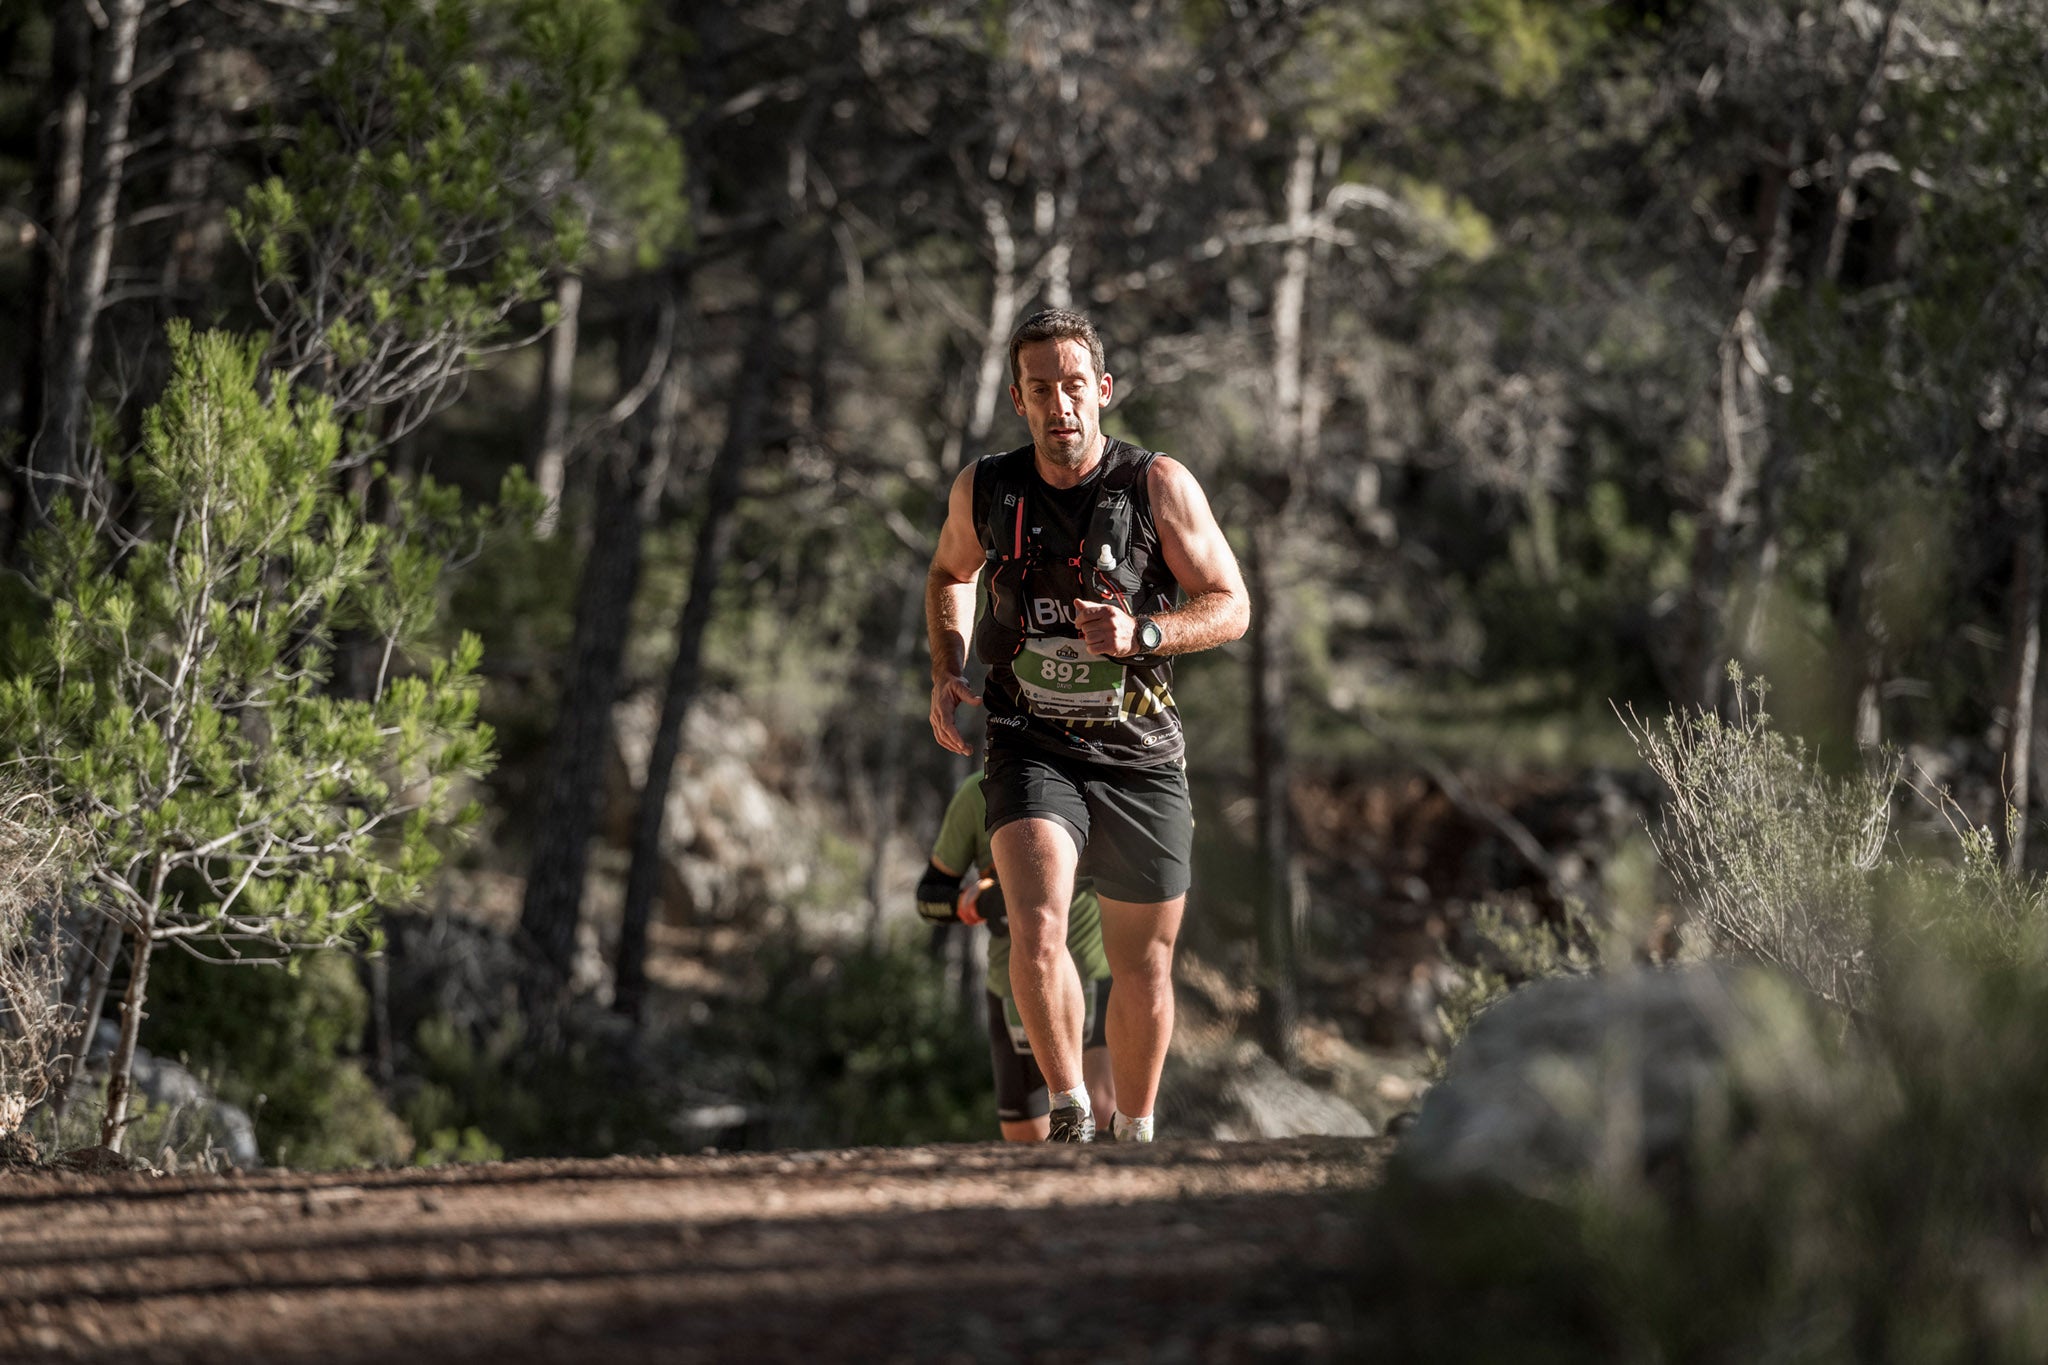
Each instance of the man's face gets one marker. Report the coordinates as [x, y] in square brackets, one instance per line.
[1060, 397]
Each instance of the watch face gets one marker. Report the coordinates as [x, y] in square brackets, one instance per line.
[1149, 634]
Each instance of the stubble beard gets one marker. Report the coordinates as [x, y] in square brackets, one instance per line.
[1067, 456]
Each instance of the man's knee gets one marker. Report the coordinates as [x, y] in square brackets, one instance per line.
[1150, 996]
[1040, 931]
[1139, 959]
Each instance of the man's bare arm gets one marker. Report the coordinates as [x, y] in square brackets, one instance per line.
[1218, 608]
[949, 611]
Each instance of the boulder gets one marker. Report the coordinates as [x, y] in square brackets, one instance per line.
[197, 1122]
[1237, 1092]
[732, 844]
[1606, 1077]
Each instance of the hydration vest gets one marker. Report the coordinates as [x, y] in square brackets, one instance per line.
[1044, 548]
[1014, 549]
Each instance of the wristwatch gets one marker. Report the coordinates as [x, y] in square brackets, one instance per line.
[1150, 636]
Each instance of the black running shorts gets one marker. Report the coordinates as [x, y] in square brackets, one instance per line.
[1134, 826]
[1020, 1087]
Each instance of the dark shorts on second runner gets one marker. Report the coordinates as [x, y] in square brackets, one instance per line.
[1134, 826]
[1020, 1086]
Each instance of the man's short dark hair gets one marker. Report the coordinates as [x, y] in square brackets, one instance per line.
[1056, 324]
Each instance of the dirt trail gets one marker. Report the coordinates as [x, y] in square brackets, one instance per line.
[1192, 1251]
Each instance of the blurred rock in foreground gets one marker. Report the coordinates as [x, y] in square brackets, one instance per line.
[1609, 1077]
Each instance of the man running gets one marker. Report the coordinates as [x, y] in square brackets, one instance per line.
[1021, 1098]
[1085, 541]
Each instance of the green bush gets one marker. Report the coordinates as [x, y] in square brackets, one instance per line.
[586, 1090]
[1876, 1191]
[862, 1047]
[286, 1046]
[1513, 946]
[1774, 859]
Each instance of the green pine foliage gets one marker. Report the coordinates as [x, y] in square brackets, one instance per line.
[453, 154]
[178, 698]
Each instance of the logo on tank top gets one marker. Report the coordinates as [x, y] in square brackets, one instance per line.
[1050, 611]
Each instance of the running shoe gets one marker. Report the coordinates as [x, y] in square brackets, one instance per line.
[1071, 1123]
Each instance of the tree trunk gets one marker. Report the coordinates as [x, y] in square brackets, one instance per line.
[1002, 320]
[1867, 634]
[550, 459]
[101, 949]
[121, 1066]
[1271, 628]
[195, 232]
[1278, 1003]
[714, 543]
[1838, 204]
[2024, 678]
[888, 787]
[1745, 444]
[54, 460]
[60, 171]
[567, 812]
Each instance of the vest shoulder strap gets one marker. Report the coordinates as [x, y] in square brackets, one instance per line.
[999, 502]
[1001, 482]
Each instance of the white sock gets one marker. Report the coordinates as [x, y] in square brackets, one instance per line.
[1128, 1129]
[1076, 1098]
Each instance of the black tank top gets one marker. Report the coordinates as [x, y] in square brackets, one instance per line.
[1030, 581]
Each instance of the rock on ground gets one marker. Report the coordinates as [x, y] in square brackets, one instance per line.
[1237, 1092]
[1604, 1076]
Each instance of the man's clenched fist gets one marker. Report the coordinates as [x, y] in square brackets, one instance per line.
[1106, 629]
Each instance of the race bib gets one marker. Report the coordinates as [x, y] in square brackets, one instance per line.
[1063, 680]
[1014, 1022]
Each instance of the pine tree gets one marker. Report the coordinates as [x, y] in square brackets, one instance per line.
[175, 701]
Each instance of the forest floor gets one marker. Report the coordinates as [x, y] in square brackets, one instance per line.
[1192, 1250]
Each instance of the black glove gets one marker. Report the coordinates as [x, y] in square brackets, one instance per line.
[994, 911]
[938, 892]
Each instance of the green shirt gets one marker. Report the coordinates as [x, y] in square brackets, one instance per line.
[963, 843]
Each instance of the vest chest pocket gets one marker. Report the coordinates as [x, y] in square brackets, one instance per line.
[1063, 680]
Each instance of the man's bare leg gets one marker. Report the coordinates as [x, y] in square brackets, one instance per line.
[1138, 938]
[1101, 1081]
[1026, 1130]
[1035, 862]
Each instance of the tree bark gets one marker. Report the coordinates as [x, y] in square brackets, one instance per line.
[1278, 995]
[121, 1066]
[1002, 319]
[2024, 677]
[100, 948]
[60, 172]
[195, 231]
[630, 476]
[1271, 629]
[755, 383]
[551, 458]
[53, 461]
[888, 787]
[1745, 444]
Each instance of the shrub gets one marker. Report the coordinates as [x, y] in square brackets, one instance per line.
[854, 1048]
[37, 1030]
[287, 1047]
[1877, 1189]
[1773, 860]
[1511, 945]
